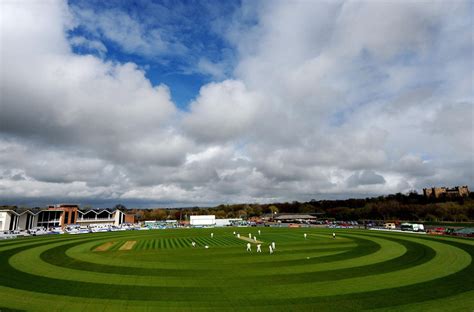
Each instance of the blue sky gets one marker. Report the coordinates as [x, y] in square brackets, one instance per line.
[192, 28]
[184, 103]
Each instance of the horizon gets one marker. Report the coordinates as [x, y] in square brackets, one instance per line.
[146, 205]
[208, 103]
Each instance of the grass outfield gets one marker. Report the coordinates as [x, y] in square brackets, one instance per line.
[159, 270]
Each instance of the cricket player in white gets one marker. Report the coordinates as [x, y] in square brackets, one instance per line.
[249, 248]
[259, 249]
[304, 235]
[273, 245]
[212, 235]
[238, 235]
[250, 235]
[194, 244]
[334, 235]
[271, 249]
[255, 238]
[258, 232]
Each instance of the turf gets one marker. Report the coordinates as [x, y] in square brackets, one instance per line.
[360, 270]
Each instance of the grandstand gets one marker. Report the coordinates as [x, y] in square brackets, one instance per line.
[57, 216]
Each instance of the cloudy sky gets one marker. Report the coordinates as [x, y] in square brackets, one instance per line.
[205, 102]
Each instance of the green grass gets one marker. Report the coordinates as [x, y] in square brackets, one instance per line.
[360, 270]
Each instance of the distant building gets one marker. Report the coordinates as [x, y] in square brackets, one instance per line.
[390, 226]
[130, 218]
[58, 216]
[63, 215]
[298, 218]
[437, 192]
[206, 220]
[14, 220]
[228, 222]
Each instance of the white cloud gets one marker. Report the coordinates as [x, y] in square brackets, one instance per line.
[91, 45]
[66, 99]
[125, 31]
[347, 98]
[223, 111]
[215, 70]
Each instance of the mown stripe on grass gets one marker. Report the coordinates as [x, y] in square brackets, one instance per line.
[263, 266]
[139, 245]
[364, 247]
[180, 242]
[116, 246]
[174, 243]
[450, 285]
[57, 256]
[260, 296]
[10, 277]
[200, 241]
[415, 255]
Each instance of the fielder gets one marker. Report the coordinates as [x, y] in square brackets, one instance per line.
[273, 245]
[212, 235]
[334, 235]
[255, 238]
[271, 249]
[193, 244]
[258, 232]
[305, 235]
[259, 249]
[249, 247]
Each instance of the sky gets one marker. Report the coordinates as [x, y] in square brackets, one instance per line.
[183, 103]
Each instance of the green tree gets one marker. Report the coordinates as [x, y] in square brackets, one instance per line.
[273, 209]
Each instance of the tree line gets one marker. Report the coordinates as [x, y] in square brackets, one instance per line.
[411, 206]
